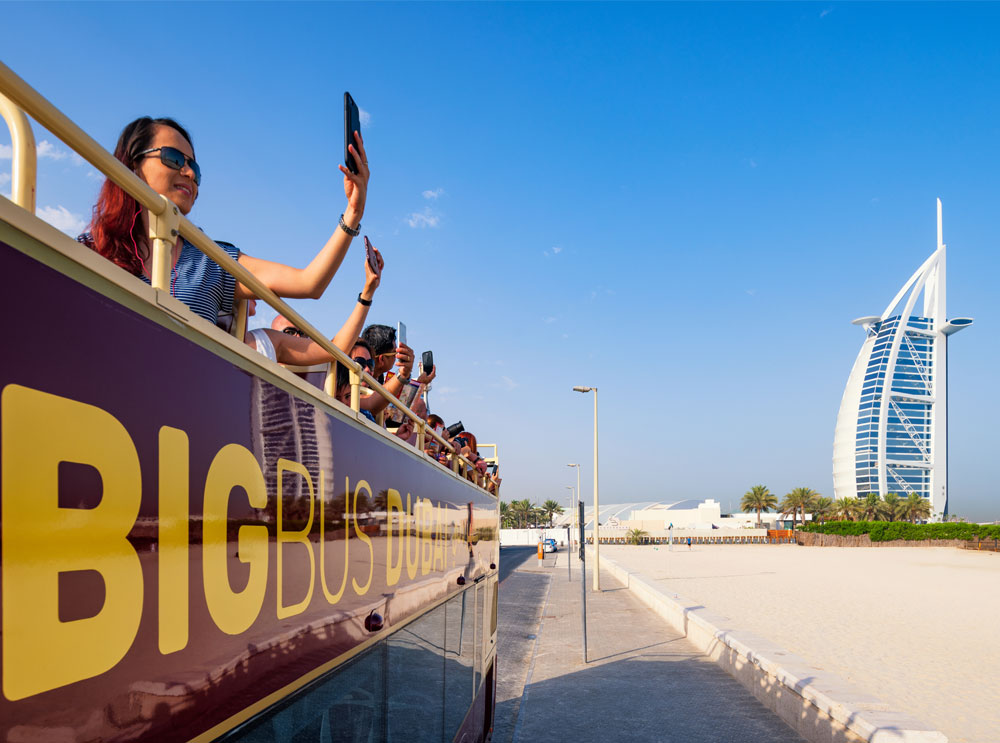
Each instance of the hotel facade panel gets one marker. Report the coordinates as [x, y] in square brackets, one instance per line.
[892, 429]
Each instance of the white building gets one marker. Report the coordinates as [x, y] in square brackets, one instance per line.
[892, 429]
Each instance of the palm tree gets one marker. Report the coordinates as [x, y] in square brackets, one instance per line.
[871, 507]
[635, 536]
[758, 498]
[916, 507]
[522, 510]
[798, 499]
[550, 508]
[846, 509]
[506, 515]
[822, 509]
[892, 507]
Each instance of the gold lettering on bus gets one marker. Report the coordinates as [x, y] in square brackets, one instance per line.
[42, 540]
[332, 598]
[358, 589]
[439, 538]
[233, 612]
[174, 522]
[426, 534]
[296, 536]
[412, 557]
[393, 503]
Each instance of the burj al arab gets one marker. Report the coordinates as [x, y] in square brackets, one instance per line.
[892, 428]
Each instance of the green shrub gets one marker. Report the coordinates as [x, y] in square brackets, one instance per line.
[887, 531]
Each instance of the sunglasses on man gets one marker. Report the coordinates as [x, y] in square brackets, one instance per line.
[174, 159]
[365, 363]
[291, 330]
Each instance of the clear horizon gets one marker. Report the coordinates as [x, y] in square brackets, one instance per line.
[684, 205]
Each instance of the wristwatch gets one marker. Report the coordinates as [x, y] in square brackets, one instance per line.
[353, 232]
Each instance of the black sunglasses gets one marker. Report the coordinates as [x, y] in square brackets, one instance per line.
[366, 363]
[174, 158]
[290, 330]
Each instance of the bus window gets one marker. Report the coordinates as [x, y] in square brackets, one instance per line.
[345, 705]
[459, 652]
[416, 679]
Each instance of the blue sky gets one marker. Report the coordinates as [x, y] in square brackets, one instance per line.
[681, 204]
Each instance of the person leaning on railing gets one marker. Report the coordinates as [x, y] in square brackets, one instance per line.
[160, 152]
[292, 346]
[385, 354]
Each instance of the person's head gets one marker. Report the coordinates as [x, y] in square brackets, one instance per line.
[362, 353]
[419, 407]
[382, 340]
[117, 231]
[470, 441]
[435, 421]
[283, 325]
[343, 382]
[162, 155]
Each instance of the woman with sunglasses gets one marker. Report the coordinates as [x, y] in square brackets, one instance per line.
[160, 152]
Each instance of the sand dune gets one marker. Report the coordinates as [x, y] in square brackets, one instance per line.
[916, 627]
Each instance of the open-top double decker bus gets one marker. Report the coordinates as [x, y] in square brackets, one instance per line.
[198, 544]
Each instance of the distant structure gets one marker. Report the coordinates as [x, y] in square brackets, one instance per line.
[892, 429]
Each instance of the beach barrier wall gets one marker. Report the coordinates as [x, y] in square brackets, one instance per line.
[821, 707]
[811, 539]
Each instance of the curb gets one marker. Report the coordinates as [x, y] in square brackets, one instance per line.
[819, 706]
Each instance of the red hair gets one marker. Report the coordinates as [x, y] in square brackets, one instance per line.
[115, 230]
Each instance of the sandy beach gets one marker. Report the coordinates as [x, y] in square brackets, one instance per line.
[916, 627]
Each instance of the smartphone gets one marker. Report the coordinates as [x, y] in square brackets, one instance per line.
[392, 423]
[352, 123]
[427, 360]
[372, 258]
[400, 334]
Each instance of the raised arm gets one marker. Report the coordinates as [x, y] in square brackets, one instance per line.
[310, 282]
[404, 366]
[298, 351]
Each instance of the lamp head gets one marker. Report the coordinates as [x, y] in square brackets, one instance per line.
[582, 389]
[572, 465]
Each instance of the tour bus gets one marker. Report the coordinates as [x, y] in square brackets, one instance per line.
[199, 544]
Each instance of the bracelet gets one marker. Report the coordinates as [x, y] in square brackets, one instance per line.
[364, 302]
[352, 232]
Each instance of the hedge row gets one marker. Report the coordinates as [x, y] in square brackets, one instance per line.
[887, 531]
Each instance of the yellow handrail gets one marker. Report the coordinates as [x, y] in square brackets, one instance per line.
[24, 163]
[165, 223]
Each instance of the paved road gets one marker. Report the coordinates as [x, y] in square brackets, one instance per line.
[522, 596]
[643, 681]
[511, 558]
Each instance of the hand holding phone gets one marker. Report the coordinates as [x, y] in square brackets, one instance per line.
[372, 257]
[352, 123]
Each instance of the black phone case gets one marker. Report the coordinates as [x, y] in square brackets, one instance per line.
[352, 123]
[427, 360]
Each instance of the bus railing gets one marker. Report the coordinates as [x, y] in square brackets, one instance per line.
[17, 99]
[24, 164]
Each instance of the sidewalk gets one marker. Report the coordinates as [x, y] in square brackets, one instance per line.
[643, 681]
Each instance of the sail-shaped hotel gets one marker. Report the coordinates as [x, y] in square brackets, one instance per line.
[892, 429]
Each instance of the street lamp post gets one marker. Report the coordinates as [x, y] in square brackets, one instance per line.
[576, 516]
[597, 510]
[569, 538]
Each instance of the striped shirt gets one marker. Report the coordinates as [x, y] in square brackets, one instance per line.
[197, 280]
